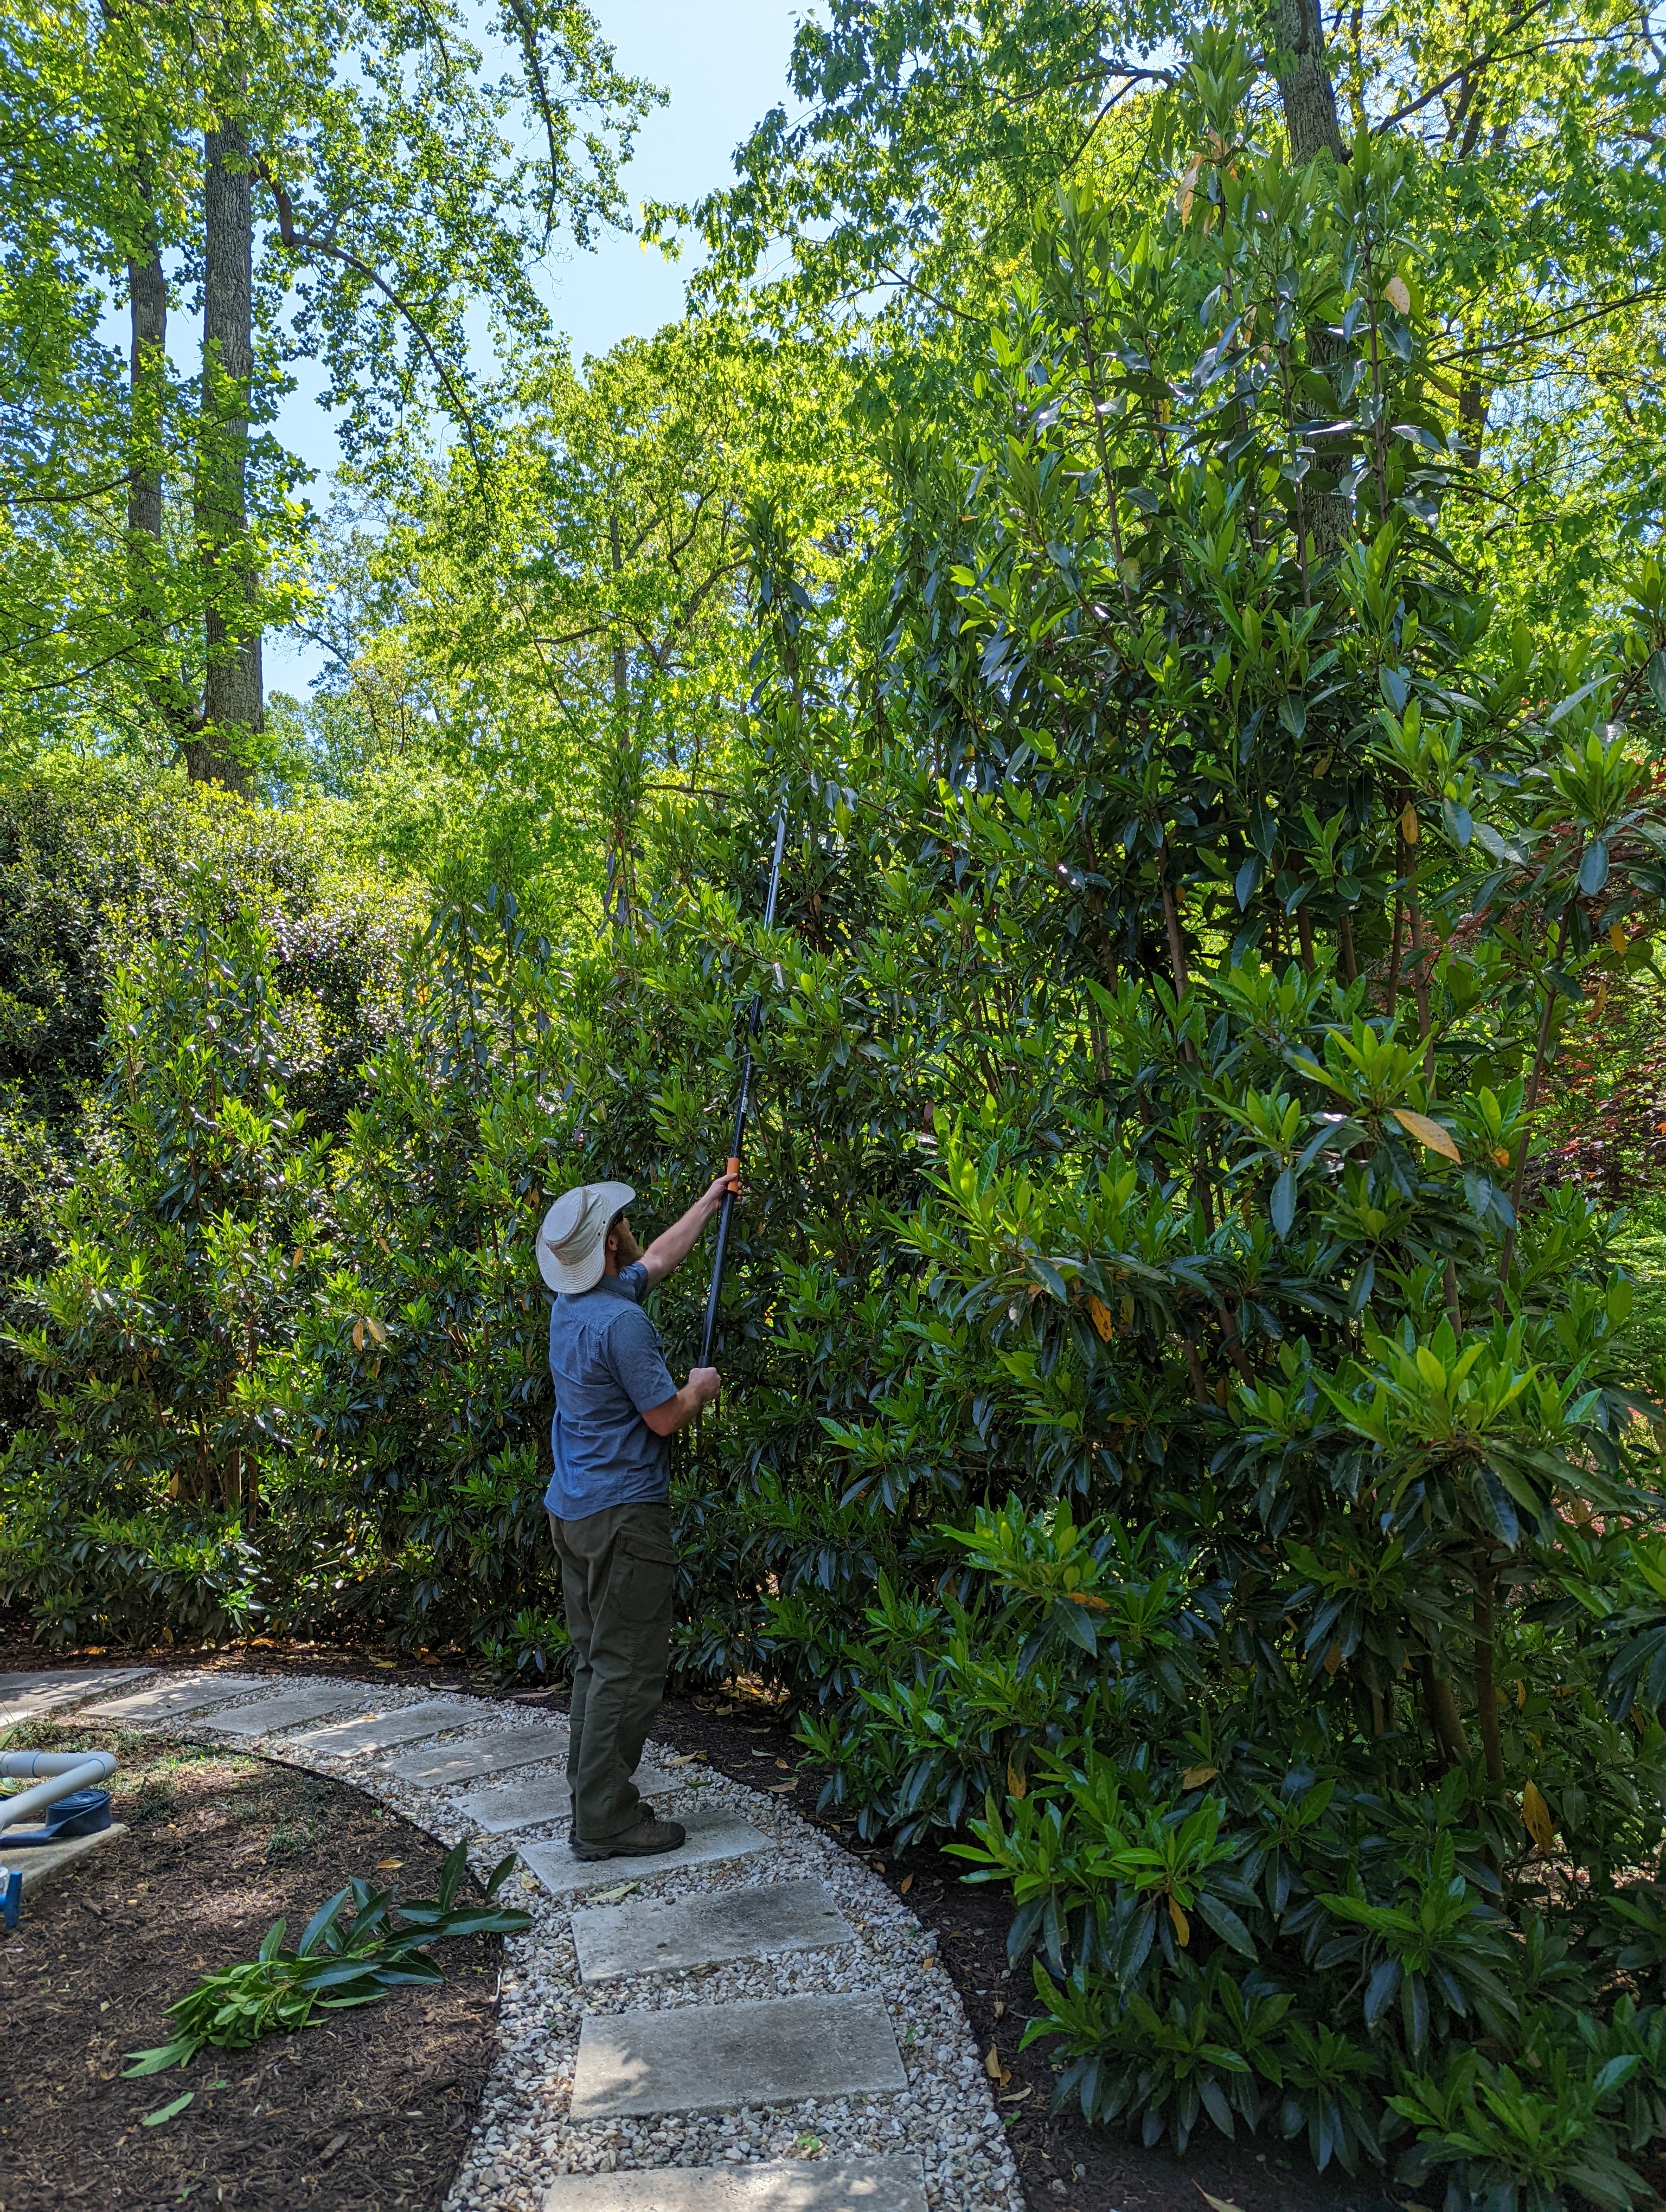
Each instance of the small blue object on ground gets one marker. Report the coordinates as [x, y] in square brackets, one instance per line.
[82, 1813]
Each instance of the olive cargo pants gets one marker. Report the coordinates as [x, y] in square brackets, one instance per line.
[618, 1575]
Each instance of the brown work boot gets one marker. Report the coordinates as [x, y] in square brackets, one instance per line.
[649, 1836]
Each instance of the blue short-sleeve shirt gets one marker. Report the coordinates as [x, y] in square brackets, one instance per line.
[607, 1367]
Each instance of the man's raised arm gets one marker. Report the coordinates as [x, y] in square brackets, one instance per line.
[672, 1246]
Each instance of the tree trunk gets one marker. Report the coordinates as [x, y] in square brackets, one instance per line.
[1440, 1704]
[1296, 42]
[233, 694]
[1487, 1695]
[1473, 402]
[1305, 89]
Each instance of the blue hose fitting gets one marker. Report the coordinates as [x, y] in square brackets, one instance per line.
[11, 1894]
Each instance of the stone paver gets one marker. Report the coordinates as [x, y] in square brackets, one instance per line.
[385, 1731]
[640, 1938]
[711, 1836]
[694, 2059]
[846, 2184]
[534, 1804]
[182, 1693]
[26, 1698]
[310, 1701]
[487, 1754]
[82, 1685]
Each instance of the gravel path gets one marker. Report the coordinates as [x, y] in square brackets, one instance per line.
[524, 2136]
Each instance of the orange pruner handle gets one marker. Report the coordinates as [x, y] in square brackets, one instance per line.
[734, 1175]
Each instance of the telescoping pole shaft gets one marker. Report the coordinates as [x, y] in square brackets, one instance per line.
[742, 1107]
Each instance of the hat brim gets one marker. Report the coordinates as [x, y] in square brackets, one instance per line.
[606, 1199]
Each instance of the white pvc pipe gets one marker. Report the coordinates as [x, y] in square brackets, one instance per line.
[67, 1771]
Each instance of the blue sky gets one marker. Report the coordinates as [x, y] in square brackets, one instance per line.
[724, 64]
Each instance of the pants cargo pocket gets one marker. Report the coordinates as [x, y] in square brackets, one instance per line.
[644, 1572]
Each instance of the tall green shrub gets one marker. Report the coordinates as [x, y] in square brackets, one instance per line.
[1300, 1664]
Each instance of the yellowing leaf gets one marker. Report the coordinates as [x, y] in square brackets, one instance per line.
[377, 1331]
[1426, 1131]
[1617, 935]
[993, 2069]
[1128, 1307]
[905, 1885]
[358, 1336]
[1501, 1159]
[1535, 1817]
[1016, 1784]
[1183, 1927]
[1602, 994]
[1521, 1696]
[1332, 1658]
[1217, 2203]
[1099, 1313]
[1410, 829]
[1195, 1776]
[1395, 294]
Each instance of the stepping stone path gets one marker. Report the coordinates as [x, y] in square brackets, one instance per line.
[613, 1940]
[309, 1703]
[752, 2023]
[712, 1837]
[699, 2058]
[537, 1804]
[857, 2185]
[384, 1731]
[25, 1696]
[495, 1754]
[176, 1699]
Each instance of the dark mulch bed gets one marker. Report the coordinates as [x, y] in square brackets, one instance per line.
[370, 2110]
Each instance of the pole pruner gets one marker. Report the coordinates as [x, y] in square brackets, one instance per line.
[742, 1107]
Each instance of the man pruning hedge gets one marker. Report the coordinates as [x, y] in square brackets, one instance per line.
[609, 1500]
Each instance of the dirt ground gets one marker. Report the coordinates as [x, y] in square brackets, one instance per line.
[369, 2109]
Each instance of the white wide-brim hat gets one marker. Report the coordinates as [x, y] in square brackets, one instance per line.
[572, 1245]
